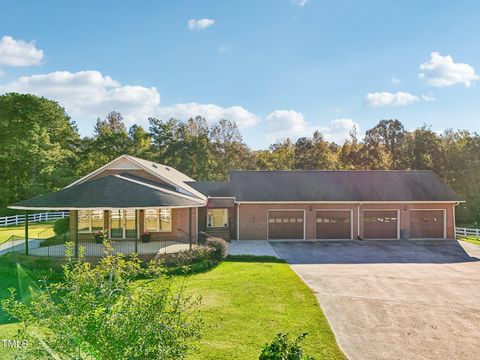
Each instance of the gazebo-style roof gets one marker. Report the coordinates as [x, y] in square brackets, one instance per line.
[112, 192]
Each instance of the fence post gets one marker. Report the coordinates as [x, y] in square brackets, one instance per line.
[477, 232]
[16, 220]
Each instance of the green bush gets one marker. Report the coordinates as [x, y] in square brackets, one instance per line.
[219, 247]
[99, 312]
[281, 348]
[189, 257]
[61, 226]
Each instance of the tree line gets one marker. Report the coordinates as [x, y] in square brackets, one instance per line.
[41, 150]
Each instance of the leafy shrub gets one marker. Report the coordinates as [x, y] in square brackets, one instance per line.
[98, 313]
[99, 237]
[61, 226]
[219, 247]
[189, 257]
[146, 237]
[281, 348]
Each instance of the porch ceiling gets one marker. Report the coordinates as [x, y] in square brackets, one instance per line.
[110, 192]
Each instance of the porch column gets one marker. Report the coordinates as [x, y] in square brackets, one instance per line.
[136, 232]
[190, 227]
[75, 232]
[26, 232]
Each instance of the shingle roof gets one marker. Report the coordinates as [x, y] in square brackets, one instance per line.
[167, 172]
[113, 191]
[396, 185]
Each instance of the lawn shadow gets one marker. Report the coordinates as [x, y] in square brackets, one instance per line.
[254, 258]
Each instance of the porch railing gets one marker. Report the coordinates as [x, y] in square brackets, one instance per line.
[38, 217]
[55, 246]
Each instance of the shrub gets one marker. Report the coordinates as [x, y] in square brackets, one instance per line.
[189, 257]
[99, 237]
[219, 247]
[281, 348]
[146, 237]
[61, 226]
[98, 312]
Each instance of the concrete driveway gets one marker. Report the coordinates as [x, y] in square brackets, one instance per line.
[395, 299]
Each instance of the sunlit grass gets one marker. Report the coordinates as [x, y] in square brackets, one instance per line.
[244, 304]
[35, 230]
[471, 239]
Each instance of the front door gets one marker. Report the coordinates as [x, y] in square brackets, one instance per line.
[122, 224]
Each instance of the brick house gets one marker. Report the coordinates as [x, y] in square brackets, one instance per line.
[130, 196]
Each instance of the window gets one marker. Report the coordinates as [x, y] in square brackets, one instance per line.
[217, 218]
[158, 220]
[90, 221]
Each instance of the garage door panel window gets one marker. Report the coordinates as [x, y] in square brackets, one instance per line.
[380, 224]
[333, 224]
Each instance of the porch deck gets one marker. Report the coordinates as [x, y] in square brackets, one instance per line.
[93, 249]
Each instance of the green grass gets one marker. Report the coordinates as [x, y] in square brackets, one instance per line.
[245, 302]
[20, 277]
[471, 239]
[45, 230]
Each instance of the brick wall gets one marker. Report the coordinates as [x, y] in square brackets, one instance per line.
[253, 217]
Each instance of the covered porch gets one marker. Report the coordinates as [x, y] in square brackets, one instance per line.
[138, 217]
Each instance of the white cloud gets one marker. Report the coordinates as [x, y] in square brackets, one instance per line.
[211, 112]
[18, 52]
[339, 130]
[92, 94]
[442, 71]
[428, 97]
[390, 99]
[300, 2]
[89, 94]
[289, 123]
[200, 24]
[1, 73]
[395, 80]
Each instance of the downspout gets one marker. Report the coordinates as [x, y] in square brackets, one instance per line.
[238, 221]
[358, 221]
[454, 222]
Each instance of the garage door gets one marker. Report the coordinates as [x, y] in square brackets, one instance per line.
[426, 224]
[285, 224]
[380, 224]
[334, 224]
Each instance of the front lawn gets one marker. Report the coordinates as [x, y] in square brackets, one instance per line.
[244, 304]
[43, 230]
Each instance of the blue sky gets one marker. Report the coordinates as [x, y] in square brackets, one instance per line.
[279, 68]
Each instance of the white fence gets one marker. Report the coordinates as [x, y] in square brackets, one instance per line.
[467, 232]
[20, 219]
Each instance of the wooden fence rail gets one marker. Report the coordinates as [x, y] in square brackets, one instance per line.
[39, 217]
[467, 232]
